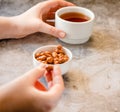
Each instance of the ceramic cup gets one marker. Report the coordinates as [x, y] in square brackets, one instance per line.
[76, 32]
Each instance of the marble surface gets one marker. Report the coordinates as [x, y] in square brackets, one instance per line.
[93, 83]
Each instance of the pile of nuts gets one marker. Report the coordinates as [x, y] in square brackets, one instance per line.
[57, 56]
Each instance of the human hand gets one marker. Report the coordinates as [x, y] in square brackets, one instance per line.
[34, 19]
[25, 94]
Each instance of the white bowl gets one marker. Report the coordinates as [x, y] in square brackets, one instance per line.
[64, 66]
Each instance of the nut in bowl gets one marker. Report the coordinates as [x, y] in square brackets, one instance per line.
[53, 54]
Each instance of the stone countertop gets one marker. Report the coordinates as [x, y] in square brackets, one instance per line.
[93, 83]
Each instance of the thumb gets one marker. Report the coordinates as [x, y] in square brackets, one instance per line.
[33, 75]
[46, 28]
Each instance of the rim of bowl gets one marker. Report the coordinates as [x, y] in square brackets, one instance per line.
[48, 46]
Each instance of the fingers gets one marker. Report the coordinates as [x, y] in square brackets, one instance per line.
[49, 8]
[54, 5]
[58, 85]
[54, 93]
[46, 28]
[57, 77]
[61, 3]
[36, 73]
[50, 15]
[40, 86]
[49, 78]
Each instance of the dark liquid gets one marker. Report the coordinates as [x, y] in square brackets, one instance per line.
[74, 17]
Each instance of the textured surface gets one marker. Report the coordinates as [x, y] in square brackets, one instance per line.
[93, 83]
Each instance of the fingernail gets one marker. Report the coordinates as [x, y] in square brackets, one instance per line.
[62, 34]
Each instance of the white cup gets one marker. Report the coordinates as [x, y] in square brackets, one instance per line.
[76, 32]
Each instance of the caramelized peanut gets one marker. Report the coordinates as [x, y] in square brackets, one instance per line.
[54, 54]
[43, 62]
[42, 58]
[49, 68]
[49, 60]
[56, 62]
[37, 55]
[59, 47]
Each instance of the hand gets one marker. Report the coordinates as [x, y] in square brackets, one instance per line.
[34, 20]
[25, 94]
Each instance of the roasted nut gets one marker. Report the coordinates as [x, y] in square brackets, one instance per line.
[47, 52]
[54, 54]
[61, 51]
[57, 51]
[42, 53]
[61, 60]
[56, 62]
[43, 62]
[42, 58]
[49, 60]
[48, 55]
[59, 47]
[37, 55]
[65, 59]
[60, 55]
[49, 68]
[56, 59]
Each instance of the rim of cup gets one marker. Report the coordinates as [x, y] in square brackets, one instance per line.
[75, 7]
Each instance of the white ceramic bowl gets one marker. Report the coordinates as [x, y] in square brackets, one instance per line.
[64, 66]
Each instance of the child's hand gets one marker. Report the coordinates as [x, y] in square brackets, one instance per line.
[34, 20]
[21, 94]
